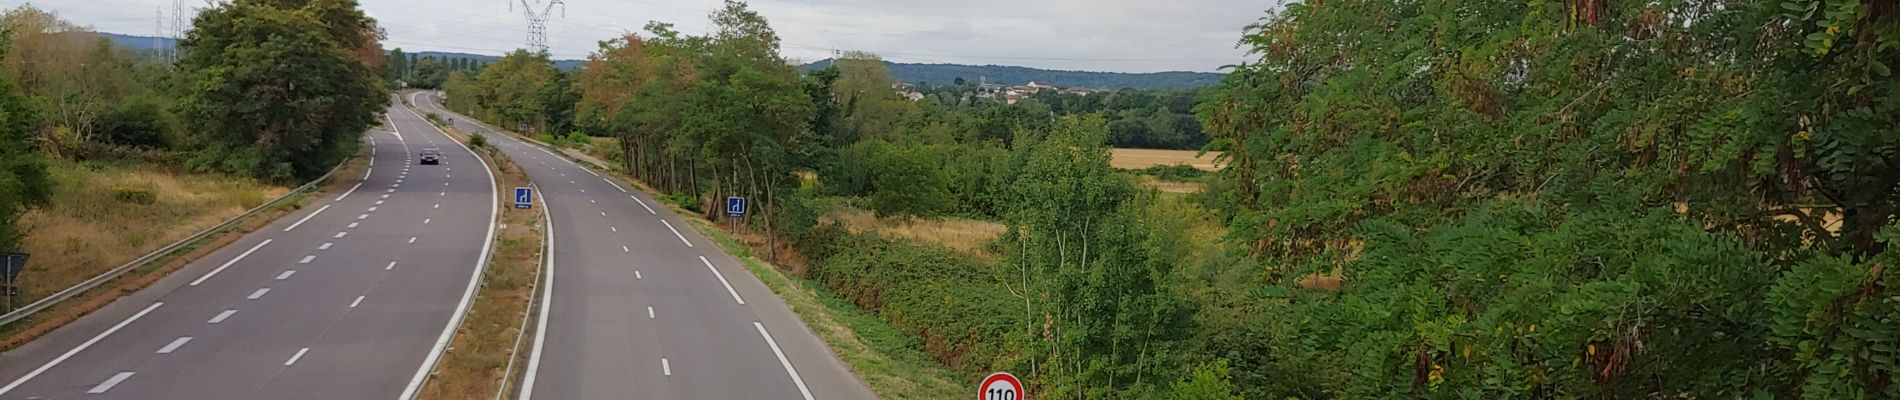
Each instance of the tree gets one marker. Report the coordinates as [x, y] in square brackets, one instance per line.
[910, 182]
[73, 76]
[23, 178]
[277, 88]
[429, 74]
[397, 69]
[872, 109]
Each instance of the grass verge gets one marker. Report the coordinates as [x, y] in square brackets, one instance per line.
[90, 228]
[485, 343]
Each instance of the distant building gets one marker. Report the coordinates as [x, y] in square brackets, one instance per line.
[914, 96]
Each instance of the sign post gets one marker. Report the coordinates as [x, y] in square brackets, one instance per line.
[1000, 386]
[524, 197]
[735, 209]
[10, 266]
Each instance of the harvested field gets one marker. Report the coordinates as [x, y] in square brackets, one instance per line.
[1144, 158]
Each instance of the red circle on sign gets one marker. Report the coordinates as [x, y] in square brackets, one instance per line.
[1000, 386]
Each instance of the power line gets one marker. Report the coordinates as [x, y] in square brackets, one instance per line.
[538, 23]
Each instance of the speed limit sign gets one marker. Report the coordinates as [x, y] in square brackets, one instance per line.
[1000, 386]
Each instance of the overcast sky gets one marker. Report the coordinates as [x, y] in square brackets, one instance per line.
[1094, 35]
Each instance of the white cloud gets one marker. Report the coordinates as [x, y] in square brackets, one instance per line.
[1099, 35]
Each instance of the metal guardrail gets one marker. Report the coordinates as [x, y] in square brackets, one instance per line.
[89, 284]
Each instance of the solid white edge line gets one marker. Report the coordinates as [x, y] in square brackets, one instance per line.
[782, 361]
[174, 345]
[307, 218]
[676, 232]
[474, 279]
[616, 185]
[722, 280]
[298, 356]
[347, 194]
[82, 347]
[547, 300]
[227, 264]
[110, 382]
[643, 204]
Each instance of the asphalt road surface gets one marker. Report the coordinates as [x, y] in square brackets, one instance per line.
[344, 299]
[644, 307]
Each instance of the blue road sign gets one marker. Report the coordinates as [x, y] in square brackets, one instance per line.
[735, 206]
[524, 197]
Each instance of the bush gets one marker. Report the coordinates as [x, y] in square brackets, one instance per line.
[138, 196]
[476, 140]
[910, 181]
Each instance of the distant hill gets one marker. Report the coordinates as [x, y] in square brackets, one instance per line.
[947, 73]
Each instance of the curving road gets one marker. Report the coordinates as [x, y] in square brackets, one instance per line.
[348, 298]
[644, 307]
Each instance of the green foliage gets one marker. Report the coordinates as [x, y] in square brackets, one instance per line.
[1561, 199]
[1174, 173]
[910, 182]
[998, 74]
[23, 178]
[477, 140]
[1208, 382]
[277, 89]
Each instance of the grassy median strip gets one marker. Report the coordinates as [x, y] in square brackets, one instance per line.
[86, 233]
[478, 359]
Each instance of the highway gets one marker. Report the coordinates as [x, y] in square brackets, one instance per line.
[642, 306]
[344, 299]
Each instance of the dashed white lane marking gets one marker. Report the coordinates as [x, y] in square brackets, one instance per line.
[340, 235]
[307, 218]
[109, 383]
[603, 213]
[649, 312]
[666, 367]
[643, 204]
[221, 316]
[722, 280]
[325, 246]
[364, 216]
[392, 265]
[286, 274]
[615, 229]
[174, 345]
[442, 194]
[592, 201]
[372, 209]
[82, 347]
[385, 196]
[676, 232]
[354, 224]
[583, 190]
[426, 220]
[359, 300]
[227, 264]
[412, 239]
[306, 259]
[624, 249]
[802, 390]
[636, 275]
[294, 358]
[445, 183]
[379, 202]
[438, 205]
[391, 190]
[258, 294]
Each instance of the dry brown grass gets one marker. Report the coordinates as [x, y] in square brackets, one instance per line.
[89, 228]
[963, 235]
[476, 360]
[1171, 187]
[1144, 158]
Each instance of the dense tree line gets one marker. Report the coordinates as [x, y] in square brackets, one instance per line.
[426, 72]
[273, 89]
[1565, 199]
